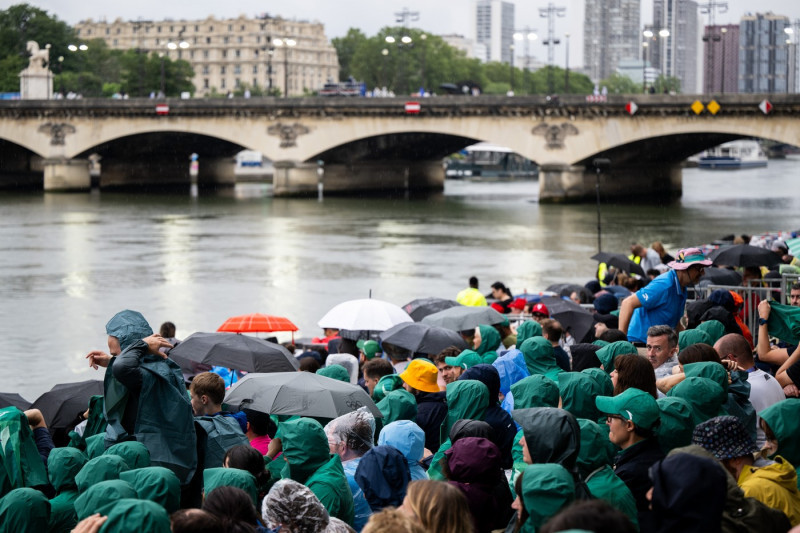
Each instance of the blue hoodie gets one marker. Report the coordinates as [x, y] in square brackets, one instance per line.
[383, 475]
[512, 368]
[409, 438]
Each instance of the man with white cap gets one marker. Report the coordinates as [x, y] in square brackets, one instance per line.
[663, 300]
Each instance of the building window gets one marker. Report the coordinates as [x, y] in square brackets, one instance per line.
[225, 40]
[211, 28]
[114, 42]
[205, 54]
[157, 42]
[158, 29]
[242, 27]
[222, 83]
[205, 83]
[118, 30]
[222, 69]
[108, 31]
[255, 69]
[196, 27]
[88, 32]
[191, 54]
[238, 53]
[230, 27]
[238, 83]
[237, 69]
[224, 53]
[208, 40]
[205, 70]
[172, 29]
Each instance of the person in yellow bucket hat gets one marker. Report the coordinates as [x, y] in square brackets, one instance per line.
[420, 379]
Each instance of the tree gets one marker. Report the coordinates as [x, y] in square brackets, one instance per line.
[618, 83]
[345, 50]
[667, 84]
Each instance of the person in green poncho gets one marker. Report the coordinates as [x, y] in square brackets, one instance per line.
[578, 391]
[527, 330]
[706, 397]
[101, 494]
[309, 461]
[63, 465]
[539, 357]
[486, 341]
[781, 426]
[125, 516]
[157, 484]
[23, 510]
[545, 489]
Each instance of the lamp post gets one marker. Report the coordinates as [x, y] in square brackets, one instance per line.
[405, 42]
[660, 37]
[423, 37]
[723, 31]
[286, 43]
[180, 45]
[162, 92]
[644, 67]
[511, 70]
[527, 36]
[79, 48]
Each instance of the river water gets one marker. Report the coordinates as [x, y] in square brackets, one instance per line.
[69, 262]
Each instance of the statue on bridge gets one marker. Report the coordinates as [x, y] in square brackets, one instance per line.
[36, 81]
[39, 59]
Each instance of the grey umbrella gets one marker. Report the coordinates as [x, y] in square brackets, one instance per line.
[422, 307]
[572, 317]
[62, 404]
[744, 255]
[422, 338]
[232, 350]
[463, 318]
[619, 261]
[298, 393]
[8, 399]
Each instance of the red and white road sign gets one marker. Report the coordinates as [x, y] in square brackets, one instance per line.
[631, 108]
[765, 106]
[412, 108]
[162, 109]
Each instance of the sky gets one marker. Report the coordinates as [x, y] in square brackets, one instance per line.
[435, 16]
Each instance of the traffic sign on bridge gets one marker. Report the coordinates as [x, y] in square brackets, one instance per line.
[765, 106]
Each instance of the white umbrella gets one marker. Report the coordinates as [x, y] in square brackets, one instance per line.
[364, 315]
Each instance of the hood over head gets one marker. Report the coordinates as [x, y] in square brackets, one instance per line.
[488, 375]
[705, 397]
[135, 515]
[677, 423]
[714, 328]
[546, 489]
[602, 378]
[472, 428]
[63, 464]
[100, 469]
[693, 336]
[578, 391]
[335, 371]
[406, 436]
[385, 385]
[552, 435]
[609, 352]
[535, 391]
[595, 450]
[398, 405]
[467, 399]
[157, 484]
[24, 509]
[539, 357]
[305, 447]
[527, 330]
[135, 454]
[383, 475]
[710, 370]
[101, 494]
[233, 477]
[511, 368]
[782, 419]
[128, 327]
[490, 340]
[474, 460]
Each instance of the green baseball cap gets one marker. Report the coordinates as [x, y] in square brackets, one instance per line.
[370, 348]
[634, 405]
[466, 359]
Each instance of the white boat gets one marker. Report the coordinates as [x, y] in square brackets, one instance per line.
[489, 161]
[733, 155]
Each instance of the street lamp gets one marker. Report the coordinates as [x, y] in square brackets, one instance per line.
[287, 43]
[663, 34]
[385, 54]
[527, 36]
[405, 42]
[163, 81]
[511, 70]
[644, 66]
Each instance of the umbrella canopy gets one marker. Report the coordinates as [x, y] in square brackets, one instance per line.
[257, 323]
[8, 399]
[794, 246]
[619, 261]
[744, 255]
[234, 351]
[298, 393]
[61, 405]
[721, 276]
[572, 317]
[565, 289]
[463, 318]
[365, 315]
[422, 307]
[422, 338]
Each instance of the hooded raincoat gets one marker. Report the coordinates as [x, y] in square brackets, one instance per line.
[22, 464]
[693, 336]
[133, 453]
[129, 515]
[308, 461]
[490, 340]
[602, 378]
[705, 396]
[714, 328]
[594, 465]
[398, 405]
[384, 476]
[738, 391]
[102, 494]
[409, 439]
[578, 391]
[431, 412]
[527, 330]
[220, 433]
[676, 425]
[539, 358]
[608, 353]
[782, 419]
[230, 477]
[546, 489]
[335, 372]
[774, 485]
[63, 465]
[157, 484]
[385, 385]
[24, 509]
[100, 469]
[466, 400]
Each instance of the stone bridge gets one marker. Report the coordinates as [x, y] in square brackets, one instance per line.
[373, 144]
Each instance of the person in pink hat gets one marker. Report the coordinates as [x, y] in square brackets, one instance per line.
[663, 300]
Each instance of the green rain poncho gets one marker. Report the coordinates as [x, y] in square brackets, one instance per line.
[594, 460]
[335, 372]
[693, 336]
[135, 515]
[157, 484]
[398, 405]
[546, 489]
[535, 391]
[675, 430]
[21, 464]
[527, 330]
[784, 323]
[100, 469]
[101, 494]
[95, 446]
[308, 461]
[490, 340]
[466, 400]
[705, 397]
[133, 453]
[608, 353]
[782, 419]
[578, 391]
[737, 401]
[24, 510]
[713, 328]
[602, 378]
[230, 477]
[385, 385]
[539, 358]
[63, 465]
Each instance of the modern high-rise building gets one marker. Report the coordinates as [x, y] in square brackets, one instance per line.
[721, 59]
[611, 34]
[227, 54]
[676, 53]
[493, 27]
[763, 53]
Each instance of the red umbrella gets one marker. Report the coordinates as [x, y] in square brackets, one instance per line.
[256, 322]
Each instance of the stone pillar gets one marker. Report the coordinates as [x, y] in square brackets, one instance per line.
[293, 178]
[152, 172]
[35, 85]
[66, 175]
[561, 183]
[565, 183]
[216, 172]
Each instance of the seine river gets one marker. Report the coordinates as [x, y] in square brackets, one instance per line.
[69, 262]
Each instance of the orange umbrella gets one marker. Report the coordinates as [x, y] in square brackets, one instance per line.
[257, 322]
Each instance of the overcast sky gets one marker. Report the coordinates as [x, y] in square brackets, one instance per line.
[436, 16]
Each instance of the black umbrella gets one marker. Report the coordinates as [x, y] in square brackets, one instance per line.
[619, 261]
[422, 307]
[422, 338]
[572, 317]
[8, 399]
[463, 317]
[744, 255]
[232, 350]
[721, 276]
[61, 405]
[566, 289]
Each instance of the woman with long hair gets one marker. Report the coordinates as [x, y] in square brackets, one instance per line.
[439, 506]
[631, 370]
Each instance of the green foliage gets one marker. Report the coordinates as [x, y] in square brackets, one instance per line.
[110, 89]
[667, 84]
[497, 87]
[10, 67]
[618, 83]
[345, 50]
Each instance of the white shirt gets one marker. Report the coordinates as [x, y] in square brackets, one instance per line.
[764, 391]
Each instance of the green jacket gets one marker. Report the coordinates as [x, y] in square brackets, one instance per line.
[713, 328]
[386, 385]
[705, 397]
[221, 434]
[578, 391]
[546, 489]
[133, 453]
[129, 515]
[603, 379]
[784, 322]
[466, 400]
[63, 465]
[101, 494]
[23, 510]
[490, 340]
[157, 484]
[308, 461]
[677, 423]
[20, 462]
[398, 405]
[594, 464]
[693, 336]
[230, 477]
[782, 419]
[100, 469]
[608, 353]
[528, 329]
[737, 402]
[535, 391]
[95, 446]
[539, 358]
[335, 372]
[62, 512]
